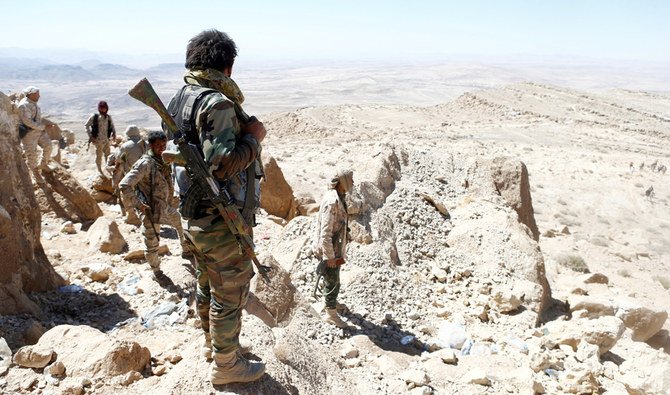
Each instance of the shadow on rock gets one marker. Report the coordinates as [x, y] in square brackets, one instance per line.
[265, 385]
[74, 305]
[389, 337]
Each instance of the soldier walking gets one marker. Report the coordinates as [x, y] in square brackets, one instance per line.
[100, 129]
[148, 188]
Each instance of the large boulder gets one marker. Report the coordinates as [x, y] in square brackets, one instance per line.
[603, 332]
[87, 352]
[104, 236]
[511, 181]
[276, 194]
[24, 266]
[278, 297]
[643, 321]
[66, 197]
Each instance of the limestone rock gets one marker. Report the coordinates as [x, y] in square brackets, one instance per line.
[104, 236]
[24, 266]
[276, 194]
[594, 278]
[511, 180]
[476, 376]
[580, 381]
[644, 322]
[66, 197]
[56, 369]
[98, 271]
[415, 377]
[5, 356]
[96, 353]
[505, 300]
[68, 227]
[135, 255]
[278, 297]
[595, 307]
[33, 356]
[103, 184]
[603, 332]
[69, 136]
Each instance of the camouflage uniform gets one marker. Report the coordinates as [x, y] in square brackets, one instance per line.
[101, 142]
[331, 241]
[31, 116]
[223, 271]
[152, 177]
[122, 160]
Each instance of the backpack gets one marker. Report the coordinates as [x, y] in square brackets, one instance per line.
[182, 108]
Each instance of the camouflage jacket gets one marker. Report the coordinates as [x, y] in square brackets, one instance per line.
[130, 152]
[330, 235]
[153, 179]
[30, 114]
[227, 151]
[105, 127]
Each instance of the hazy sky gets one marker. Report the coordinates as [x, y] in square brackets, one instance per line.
[350, 30]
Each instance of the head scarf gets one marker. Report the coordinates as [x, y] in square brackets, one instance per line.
[30, 90]
[132, 131]
[344, 177]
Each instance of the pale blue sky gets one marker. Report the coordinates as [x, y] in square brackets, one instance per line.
[350, 30]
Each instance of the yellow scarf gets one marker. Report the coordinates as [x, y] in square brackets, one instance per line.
[215, 79]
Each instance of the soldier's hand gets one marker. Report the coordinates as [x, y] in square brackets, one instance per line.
[256, 129]
[144, 208]
[333, 263]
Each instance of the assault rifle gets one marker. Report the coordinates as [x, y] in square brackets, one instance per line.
[200, 175]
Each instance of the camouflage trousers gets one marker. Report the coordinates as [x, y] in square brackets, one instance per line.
[30, 142]
[102, 151]
[331, 288]
[223, 274]
[170, 216]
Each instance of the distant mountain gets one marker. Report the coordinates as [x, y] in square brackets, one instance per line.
[38, 69]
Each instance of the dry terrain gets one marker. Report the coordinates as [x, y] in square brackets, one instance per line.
[438, 250]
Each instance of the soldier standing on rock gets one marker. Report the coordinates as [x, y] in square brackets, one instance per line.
[100, 130]
[31, 122]
[124, 159]
[330, 241]
[148, 188]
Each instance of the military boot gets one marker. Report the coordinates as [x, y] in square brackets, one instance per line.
[245, 347]
[331, 317]
[234, 368]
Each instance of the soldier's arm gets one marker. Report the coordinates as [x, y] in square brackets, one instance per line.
[328, 220]
[88, 124]
[26, 116]
[112, 132]
[227, 154]
[139, 171]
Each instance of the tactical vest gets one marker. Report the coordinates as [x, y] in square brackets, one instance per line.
[95, 128]
[182, 108]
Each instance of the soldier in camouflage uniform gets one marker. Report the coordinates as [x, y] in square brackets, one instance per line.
[123, 159]
[230, 147]
[31, 116]
[152, 179]
[100, 129]
[330, 240]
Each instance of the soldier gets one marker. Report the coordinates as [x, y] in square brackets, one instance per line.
[148, 187]
[31, 120]
[330, 241]
[123, 160]
[230, 141]
[100, 130]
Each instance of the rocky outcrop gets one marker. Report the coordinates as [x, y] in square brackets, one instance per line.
[66, 197]
[24, 266]
[276, 194]
[278, 296]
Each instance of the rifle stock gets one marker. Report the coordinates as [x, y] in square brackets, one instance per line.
[199, 173]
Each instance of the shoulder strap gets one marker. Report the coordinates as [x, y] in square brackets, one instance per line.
[183, 107]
